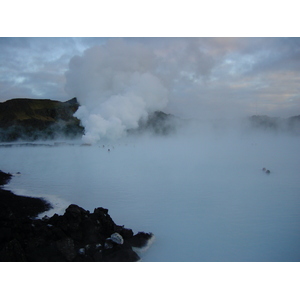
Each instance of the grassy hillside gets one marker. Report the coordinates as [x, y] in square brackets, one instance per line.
[32, 119]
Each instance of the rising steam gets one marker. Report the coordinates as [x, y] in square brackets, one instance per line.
[117, 84]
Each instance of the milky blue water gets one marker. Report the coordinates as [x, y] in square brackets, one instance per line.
[205, 198]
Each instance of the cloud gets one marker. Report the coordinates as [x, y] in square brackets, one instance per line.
[35, 67]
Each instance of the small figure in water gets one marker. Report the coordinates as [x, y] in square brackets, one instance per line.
[267, 171]
[108, 150]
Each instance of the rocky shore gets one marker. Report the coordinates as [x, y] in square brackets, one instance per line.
[77, 235]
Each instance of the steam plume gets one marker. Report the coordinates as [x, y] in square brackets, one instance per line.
[117, 84]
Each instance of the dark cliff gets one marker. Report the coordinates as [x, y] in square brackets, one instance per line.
[32, 119]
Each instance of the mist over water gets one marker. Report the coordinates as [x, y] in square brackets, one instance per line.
[203, 194]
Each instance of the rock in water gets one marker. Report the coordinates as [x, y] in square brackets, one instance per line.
[141, 239]
[117, 238]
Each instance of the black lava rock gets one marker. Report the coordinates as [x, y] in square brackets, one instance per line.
[4, 177]
[77, 235]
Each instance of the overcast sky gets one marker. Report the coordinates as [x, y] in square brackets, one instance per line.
[204, 76]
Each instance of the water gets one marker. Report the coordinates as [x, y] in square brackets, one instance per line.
[204, 197]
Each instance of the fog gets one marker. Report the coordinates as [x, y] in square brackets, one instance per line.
[201, 191]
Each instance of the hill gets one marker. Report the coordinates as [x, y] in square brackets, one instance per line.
[158, 123]
[263, 122]
[32, 119]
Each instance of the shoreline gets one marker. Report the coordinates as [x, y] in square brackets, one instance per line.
[75, 236]
[58, 205]
[31, 206]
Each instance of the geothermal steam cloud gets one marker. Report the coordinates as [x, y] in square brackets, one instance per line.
[117, 84]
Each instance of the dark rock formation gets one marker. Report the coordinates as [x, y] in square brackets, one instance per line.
[4, 178]
[140, 240]
[78, 235]
[32, 119]
[158, 123]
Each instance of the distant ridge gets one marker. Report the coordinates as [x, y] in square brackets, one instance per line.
[291, 124]
[158, 123]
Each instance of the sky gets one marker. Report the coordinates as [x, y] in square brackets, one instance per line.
[205, 77]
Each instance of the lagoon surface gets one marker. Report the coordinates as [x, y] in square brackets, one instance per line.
[205, 197]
